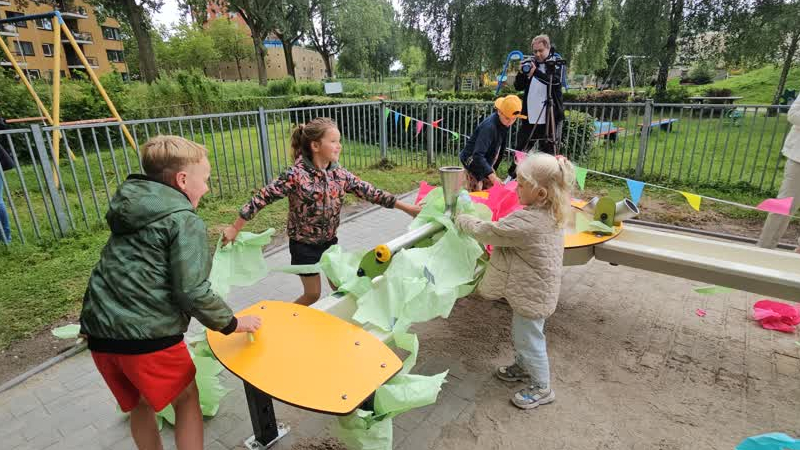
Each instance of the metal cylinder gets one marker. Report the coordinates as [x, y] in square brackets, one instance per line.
[452, 183]
[625, 210]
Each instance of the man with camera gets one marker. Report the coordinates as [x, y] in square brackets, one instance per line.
[541, 77]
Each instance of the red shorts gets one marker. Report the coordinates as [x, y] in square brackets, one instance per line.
[158, 376]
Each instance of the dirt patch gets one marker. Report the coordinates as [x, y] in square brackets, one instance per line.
[664, 212]
[23, 355]
[319, 444]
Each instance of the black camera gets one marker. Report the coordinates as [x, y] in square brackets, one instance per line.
[527, 65]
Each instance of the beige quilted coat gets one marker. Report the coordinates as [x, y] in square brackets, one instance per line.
[525, 267]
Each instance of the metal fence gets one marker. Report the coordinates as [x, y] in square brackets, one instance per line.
[688, 144]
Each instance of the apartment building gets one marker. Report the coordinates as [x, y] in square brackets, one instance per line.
[33, 46]
[308, 63]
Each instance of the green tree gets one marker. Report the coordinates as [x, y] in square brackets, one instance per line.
[137, 14]
[369, 36]
[189, 47]
[289, 20]
[413, 60]
[230, 41]
[589, 34]
[324, 30]
[762, 31]
[257, 15]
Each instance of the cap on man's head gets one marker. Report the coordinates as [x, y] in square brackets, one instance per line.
[510, 106]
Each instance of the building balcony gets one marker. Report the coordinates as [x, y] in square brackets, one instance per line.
[81, 37]
[5, 3]
[8, 29]
[75, 63]
[8, 64]
[78, 12]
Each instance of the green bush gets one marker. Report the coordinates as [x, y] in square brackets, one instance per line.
[673, 94]
[720, 92]
[311, 88]
[702, 73]
[285, 86]
[308, 101]
[577, 136]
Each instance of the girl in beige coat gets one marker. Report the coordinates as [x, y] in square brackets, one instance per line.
[525, 267]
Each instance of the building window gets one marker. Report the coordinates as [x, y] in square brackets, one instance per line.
[115, 55]
[112, 34]
[44, 24]
[47, 49]
[33, 74]
[24, 48]
[10, 14]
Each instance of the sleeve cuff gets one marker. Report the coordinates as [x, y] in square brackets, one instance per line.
[231, 327]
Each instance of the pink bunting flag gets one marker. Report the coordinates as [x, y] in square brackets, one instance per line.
[419, 127]
[424, 189]
[700, 312]
[777, 205]
[436, 123]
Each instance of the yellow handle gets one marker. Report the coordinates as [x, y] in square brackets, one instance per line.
[382, 253]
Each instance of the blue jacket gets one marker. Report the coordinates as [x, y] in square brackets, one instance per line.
[481, 154]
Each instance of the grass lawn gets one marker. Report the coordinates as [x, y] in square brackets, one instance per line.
[757, 87]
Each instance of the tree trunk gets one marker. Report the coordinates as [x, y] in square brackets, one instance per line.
[671, 46]
[787, 64]
[239, 67]
[262, 67]
[147, 59]
[289, 56]
[328, 65]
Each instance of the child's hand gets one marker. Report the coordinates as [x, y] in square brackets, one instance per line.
[413, 210]
[229, 235]
[248, 324]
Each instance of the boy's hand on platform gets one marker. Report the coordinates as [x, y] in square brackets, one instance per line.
[248, 324]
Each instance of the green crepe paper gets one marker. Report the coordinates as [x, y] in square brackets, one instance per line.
[583, 224]
[67, 331]
[708, 290]
[580, 176]
[410, 343]
[360, 431]
[340, 267]
[240, 263]
[405, 392]
[297, 269]
[434, 207]
[386, 300]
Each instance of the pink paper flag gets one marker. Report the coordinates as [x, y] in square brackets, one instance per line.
[519, 156]
[424, 189]
[777, 205]
[778, 316]
[700, 312]
[419, 127]
[436, 123]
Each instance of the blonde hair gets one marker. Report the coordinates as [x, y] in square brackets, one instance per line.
[543, 38]
[556, 175]
[163, 156]
[304, 135]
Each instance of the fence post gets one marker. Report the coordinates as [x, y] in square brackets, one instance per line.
[263, 137]
[50, 182]
[382, 118]
[431, 158]
[645, 136]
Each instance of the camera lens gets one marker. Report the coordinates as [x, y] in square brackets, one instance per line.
[526, 67]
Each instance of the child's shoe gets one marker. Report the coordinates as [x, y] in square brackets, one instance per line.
[513, 372]
[533, 396]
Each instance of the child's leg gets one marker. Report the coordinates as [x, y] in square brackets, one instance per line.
[188, 419]
[530, 347]
[143, 427]
[312, 288]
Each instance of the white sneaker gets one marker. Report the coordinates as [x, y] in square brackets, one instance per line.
[533, 396]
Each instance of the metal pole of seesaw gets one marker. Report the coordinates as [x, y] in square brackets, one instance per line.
[96, 81]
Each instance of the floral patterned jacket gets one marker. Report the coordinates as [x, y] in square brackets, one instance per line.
[315, 199]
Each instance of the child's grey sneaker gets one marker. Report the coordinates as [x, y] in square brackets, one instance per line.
[533, 396]
[513, 372]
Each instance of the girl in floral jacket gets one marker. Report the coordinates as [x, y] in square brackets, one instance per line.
[316, 185]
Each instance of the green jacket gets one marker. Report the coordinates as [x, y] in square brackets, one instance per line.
[152, 276]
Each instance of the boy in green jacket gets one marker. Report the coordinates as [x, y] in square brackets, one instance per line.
[152, 278]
